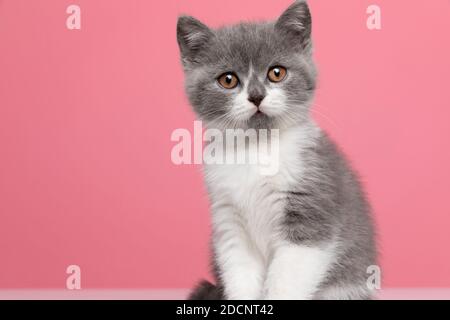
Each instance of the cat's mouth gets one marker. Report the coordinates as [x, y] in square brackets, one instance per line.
[259, 114]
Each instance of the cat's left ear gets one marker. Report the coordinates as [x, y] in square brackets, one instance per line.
[192, 36]
[296, 23]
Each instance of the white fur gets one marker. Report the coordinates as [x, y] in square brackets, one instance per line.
[296, 271]
[254, 259]
[274, 102]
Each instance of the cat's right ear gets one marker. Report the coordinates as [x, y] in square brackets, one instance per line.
[192, 35]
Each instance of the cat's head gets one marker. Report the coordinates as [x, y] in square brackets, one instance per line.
[250, 75]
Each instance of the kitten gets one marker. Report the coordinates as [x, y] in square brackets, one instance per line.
[304, 232]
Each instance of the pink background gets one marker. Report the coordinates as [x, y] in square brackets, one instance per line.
[86, 118]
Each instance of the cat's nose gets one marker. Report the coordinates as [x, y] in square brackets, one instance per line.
[256, 99]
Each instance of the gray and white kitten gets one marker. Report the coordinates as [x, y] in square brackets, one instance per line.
[305, 232]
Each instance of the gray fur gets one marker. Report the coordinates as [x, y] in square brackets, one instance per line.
[328, 202]
[236, 48]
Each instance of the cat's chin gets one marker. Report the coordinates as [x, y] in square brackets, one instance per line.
[260, 120]
[259, 116]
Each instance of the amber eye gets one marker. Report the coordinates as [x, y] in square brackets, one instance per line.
[276, 74]
[228, 80]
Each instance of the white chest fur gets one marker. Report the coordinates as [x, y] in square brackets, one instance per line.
[254, 259]
[255, 200]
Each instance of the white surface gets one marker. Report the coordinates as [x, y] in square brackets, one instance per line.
[179, 294]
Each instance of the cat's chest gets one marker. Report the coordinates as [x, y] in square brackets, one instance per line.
[248, 189]
[250, 185]
[257, 202]
[257, 196]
